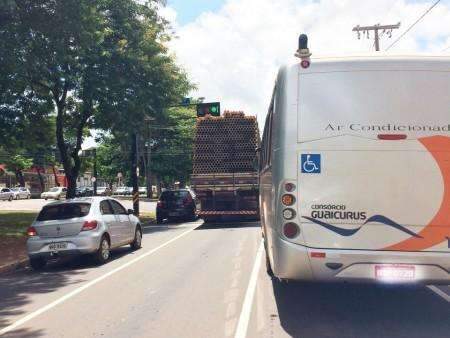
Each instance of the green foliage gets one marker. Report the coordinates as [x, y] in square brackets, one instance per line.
[19, 163]
[96, 64]
[112, 159]
[172, 156]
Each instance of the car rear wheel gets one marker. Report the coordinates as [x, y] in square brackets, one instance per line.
[38, 263]
[101, 256]
[10, 198]
[137, 242]
[159, 219]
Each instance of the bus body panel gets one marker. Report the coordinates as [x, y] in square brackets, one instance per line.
[362, 202]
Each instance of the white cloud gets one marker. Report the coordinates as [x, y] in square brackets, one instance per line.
[233, 55]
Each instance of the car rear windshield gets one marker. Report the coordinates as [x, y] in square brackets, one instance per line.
[64, 211]
[173, 195]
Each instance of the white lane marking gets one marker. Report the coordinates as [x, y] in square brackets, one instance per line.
[439, 292]
[36, 313]
[244, 318]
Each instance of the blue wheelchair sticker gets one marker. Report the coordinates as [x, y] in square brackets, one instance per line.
[311, 163]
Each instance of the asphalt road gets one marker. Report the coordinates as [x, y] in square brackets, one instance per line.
[37, 204]
[192, 280]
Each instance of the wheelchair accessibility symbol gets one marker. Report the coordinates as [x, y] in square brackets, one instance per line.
[311, 163]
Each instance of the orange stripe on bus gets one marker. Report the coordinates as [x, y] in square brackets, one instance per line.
[438, 230]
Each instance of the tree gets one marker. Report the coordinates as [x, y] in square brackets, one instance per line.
[18, 163]
[112, 158]
[173, 144]
[104, 66]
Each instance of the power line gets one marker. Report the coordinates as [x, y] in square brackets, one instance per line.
[415, 23]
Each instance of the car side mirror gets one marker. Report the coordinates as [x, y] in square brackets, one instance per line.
[130, 211]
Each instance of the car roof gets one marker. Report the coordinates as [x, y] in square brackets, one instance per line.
[77, 200]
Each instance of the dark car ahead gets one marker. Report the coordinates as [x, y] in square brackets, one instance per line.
[84, 192]
[176, 204]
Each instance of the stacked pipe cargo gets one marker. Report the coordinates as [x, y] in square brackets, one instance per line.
[226, 144]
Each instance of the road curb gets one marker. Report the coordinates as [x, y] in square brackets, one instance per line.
[14, 266]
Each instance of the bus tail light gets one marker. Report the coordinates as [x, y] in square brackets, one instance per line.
[317, 254]
[289, 213]
[291, 230]
[288, 199]
[392, 137]
[289, 187]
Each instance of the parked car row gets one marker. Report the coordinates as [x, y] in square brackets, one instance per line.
[9, 194]
[128, 191]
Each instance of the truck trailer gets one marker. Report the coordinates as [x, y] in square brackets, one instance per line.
[225, 176]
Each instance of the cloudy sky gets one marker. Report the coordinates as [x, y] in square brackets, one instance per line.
[233, 48]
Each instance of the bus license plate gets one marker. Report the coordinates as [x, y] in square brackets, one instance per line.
[395, 272]
[57, 246]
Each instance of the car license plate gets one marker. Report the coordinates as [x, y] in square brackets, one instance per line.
[57, 246]
[395, 272]
[172, 214]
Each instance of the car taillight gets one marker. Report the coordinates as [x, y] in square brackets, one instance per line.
[187, 200]
[89, 225]
[160, 204]
[31, 232]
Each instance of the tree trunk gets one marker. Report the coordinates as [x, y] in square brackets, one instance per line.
[41, 179]
[55, 176]
[71, 186]
[20, 178]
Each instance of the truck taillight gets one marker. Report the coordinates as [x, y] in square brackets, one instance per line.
[31, 232]
[89, 225]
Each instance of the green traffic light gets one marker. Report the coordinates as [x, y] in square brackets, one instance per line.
[213, 109]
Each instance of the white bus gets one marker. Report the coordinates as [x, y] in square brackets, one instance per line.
[355, 170]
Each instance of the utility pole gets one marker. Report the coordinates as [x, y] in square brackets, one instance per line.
[134, 156]
[376, 28]
[147, 158]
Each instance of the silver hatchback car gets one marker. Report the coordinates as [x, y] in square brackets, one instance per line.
[93, 225]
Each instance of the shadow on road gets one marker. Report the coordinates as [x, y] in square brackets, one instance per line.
[345, 310]
[17, 289]
[227, 224]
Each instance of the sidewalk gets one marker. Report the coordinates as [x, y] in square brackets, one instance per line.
[13, 253]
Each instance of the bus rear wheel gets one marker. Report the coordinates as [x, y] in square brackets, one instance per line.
[268, 266]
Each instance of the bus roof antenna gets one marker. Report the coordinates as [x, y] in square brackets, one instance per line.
[303, 50]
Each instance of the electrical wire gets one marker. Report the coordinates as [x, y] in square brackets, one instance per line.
[415, 23]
